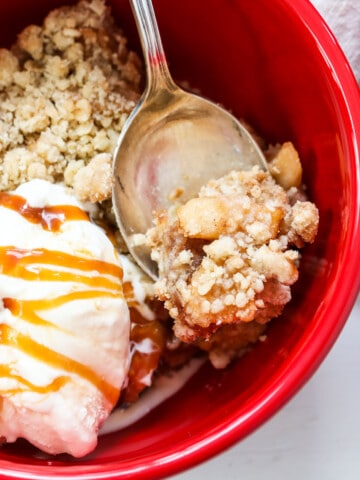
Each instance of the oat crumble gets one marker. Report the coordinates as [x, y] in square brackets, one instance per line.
[228, 257]
[66, 89]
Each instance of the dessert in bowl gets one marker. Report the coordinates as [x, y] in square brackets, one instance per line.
[212, 410]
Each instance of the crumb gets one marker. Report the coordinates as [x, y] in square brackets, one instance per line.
[176, 193]
[94, 181]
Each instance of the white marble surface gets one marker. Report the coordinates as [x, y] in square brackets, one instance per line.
[343, 18]
[316, 436]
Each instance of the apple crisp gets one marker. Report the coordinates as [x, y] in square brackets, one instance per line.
[66, 89]
[228, 257]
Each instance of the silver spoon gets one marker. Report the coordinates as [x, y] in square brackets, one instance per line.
[172, 143]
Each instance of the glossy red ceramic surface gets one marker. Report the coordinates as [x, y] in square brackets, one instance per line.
[276, 64]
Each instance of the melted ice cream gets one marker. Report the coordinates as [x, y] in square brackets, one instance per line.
[64, 323]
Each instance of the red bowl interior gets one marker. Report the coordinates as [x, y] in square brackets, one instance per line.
[276, 65]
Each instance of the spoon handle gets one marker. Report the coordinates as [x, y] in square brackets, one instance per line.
[156, 66]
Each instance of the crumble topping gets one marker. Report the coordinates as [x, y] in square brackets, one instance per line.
[66, 89]
[228, 257]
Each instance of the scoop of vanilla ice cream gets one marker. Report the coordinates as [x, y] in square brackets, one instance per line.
[64, 322]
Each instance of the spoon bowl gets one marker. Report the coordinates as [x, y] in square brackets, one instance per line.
[173, 143]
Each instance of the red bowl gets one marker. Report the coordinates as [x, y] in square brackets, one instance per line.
[277, 65]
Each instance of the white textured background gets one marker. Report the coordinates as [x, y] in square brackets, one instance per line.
[343, 18]
[317, 435]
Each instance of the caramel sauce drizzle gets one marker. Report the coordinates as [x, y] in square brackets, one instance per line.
[54, 386]
[49, 217]
[11, 337]
[101, 279]
[27, 264]
[129, 294]
[26, 309]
